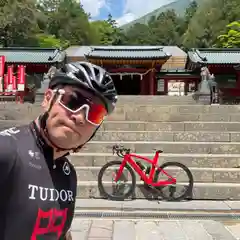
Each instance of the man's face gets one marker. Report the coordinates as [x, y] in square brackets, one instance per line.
[66, 129]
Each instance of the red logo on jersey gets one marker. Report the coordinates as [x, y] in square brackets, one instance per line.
[52, 216]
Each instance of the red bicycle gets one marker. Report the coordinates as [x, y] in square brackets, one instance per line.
[149, 175]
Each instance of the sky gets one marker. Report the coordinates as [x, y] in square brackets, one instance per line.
[123, 11]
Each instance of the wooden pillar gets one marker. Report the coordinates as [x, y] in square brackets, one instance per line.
[238, 80]
[155, 83]
[142, 85]
[165, 86]
[151, 85]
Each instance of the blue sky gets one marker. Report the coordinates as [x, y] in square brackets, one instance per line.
[123, 11]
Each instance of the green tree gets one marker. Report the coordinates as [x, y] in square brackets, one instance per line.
[139, 34]
[231, 39]
[18, 23]
[107, 32]
[209, 21]
[46, 41]
[67, 20]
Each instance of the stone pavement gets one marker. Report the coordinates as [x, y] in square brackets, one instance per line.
[189, 220]
[100, 229]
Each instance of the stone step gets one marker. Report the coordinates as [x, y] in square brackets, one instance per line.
[133, 112]
[216, 191]
[200, 206]
[155, 115]
[206, 175]
[125, 99]
[171, 126]
[190, 160]
[187, 126]
[166, 147]
[175, 136]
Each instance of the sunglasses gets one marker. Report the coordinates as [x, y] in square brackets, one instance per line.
[74, 102]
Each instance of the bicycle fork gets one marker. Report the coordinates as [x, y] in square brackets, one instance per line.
[119, 172]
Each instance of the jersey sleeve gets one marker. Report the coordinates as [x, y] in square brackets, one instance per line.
[7, 158]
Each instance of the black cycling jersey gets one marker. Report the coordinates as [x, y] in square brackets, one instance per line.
[37, 193]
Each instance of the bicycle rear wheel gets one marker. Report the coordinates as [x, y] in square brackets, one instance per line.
[119, 191]
[172, 187]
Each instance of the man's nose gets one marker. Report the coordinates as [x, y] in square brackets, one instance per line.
[80, 117]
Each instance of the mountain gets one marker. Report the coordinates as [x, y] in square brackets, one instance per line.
[179, 6]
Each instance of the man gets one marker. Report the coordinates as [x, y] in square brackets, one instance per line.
[37, 182]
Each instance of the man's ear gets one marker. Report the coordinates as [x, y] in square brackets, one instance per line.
[48, 95]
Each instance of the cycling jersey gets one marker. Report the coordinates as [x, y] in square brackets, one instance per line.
[37, 193]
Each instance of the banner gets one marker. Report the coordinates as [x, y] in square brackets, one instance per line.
[10, 79]
[2, 66]
[5, 82]
[21, 78]
[14, 84]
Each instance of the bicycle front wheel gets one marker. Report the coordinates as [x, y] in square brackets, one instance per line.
[123, 188]
[184, 181]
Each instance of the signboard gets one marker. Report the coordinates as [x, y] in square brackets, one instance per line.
[21, 78]
[14, 84]
[160, 85]
[2, 66]
[10, 79]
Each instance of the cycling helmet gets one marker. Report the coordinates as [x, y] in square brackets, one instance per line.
[89, 76]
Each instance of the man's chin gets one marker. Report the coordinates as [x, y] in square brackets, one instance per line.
[64, 142]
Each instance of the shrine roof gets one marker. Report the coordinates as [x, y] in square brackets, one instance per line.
[32, 55]
[128, 52]
[237, 67]
[215, 55]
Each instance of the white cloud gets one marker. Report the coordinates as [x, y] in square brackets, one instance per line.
[126, 18]
[137, 8]
[94, 6]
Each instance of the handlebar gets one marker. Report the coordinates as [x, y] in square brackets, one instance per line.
[120, 150]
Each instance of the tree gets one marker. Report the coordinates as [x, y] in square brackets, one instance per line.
[107, 32]
[231, 39]
[209, 21]
[139, 34]
[18, 23]
[46, 41]
[67, 20]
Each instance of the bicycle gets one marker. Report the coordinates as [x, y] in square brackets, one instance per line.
[149, 175]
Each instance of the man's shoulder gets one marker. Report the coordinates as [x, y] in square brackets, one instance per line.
[12, 131]
[9, 138]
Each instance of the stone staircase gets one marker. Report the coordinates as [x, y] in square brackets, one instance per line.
[205, 138]
[157, 100]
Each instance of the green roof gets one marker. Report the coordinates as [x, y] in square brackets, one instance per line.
[32, 55]
[128, 52]
[215, 55]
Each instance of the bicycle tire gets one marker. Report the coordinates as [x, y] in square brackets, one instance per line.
[190, 177]
[101, 188]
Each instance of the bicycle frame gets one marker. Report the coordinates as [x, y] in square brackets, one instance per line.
[147, 179]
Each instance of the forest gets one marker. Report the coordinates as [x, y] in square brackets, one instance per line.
[62, 23]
